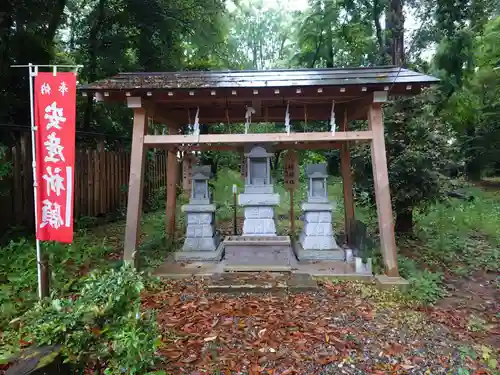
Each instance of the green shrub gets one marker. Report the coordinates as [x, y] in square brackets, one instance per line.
[101, 326]
[425, 286]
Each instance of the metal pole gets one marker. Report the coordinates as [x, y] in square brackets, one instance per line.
[292, 216]
[41, 290]
[30, 65]
[42, 266]
[235, 229]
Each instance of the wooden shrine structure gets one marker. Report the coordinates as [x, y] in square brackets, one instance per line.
[174, 98]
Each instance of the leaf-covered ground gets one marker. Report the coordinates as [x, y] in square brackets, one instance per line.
[343, 328]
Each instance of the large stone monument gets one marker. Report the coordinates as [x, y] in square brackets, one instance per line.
[259, 198]
[202, 242]
[317, 242]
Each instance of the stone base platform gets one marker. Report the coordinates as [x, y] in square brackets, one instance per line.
[202, 255]
[249, 253]
[337, 254]
[339, 270]
[387, 282]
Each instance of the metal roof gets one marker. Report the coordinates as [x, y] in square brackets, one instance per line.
[260, 78]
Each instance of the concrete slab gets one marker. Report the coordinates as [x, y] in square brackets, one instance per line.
[301, 282]
[387, 282]
[179, 270]
[261, 282]
[256, 268]
[256, 240]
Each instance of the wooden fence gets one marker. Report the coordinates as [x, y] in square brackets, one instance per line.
[101, 183]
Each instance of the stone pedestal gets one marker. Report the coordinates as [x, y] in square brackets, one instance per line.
[317, 241]
[202, 242]
[259, 213]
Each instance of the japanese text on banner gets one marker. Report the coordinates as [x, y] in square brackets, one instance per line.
[55, 112]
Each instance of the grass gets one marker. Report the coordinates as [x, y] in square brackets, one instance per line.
[454, 236]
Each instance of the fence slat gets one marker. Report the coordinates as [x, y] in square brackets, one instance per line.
[27, 171]
[76, 179]
[90, 204]
[102, 181]
[17, 181]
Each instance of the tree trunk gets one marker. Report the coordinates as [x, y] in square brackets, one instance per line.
[404, 221]
[377, 11]
[329, 58]
[93, 47]
[473, 169]
[395, 25]
[472, 159]
[56, 15]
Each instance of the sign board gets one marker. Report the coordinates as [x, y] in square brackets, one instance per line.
[55, 114]
[187, 172]
[291, 169]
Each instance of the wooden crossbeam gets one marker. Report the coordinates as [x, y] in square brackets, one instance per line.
[312, 137]
[282, 146]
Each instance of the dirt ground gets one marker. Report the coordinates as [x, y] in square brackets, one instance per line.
[342, 328]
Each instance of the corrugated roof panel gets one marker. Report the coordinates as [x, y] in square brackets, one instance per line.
[263, 78]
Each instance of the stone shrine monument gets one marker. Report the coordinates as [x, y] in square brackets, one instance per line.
[259, 198]
[317, 241]
[202, 242]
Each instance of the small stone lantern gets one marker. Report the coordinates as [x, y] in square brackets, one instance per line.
[317, 183]
[259, 198]
[202, 241]
[317, 241]
[259, 167]
[199, 190]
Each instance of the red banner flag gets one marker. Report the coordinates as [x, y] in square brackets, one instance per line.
[55, 116]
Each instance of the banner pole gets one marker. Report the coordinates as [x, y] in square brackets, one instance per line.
[41, 290]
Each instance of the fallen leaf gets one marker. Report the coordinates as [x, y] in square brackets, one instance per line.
[407, 367]
[190, 359]
[327, 359]
[261, 332]
[210, 338]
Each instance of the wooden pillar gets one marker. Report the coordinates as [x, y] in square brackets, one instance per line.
[382, 192]
[136, 180]
[172, 179]
[345, 169]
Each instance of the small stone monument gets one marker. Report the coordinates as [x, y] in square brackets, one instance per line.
[317, 241]
[202, 242]
[258, 198]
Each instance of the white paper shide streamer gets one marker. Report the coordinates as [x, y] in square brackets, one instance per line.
[332, 118]
[287, 119]
[248, 118]
[196, 124]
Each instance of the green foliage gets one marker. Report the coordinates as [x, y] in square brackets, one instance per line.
[418, 153]
[461, 236]
[425, 286]
[156, 199]
[336, 33]
[260, 37]
[101, 326]
[18, 271]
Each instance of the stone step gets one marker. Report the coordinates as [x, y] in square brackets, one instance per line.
[256, 268]
[261, 282]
